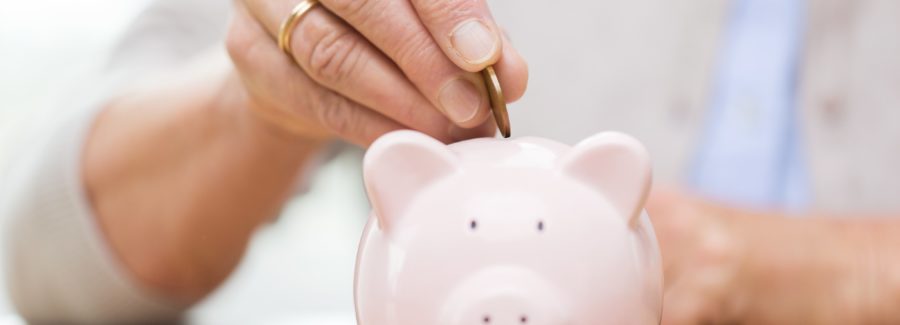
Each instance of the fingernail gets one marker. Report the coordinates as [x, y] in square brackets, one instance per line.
[460, 100]
[474, 42]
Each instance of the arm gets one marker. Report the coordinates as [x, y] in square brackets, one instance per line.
[138, 212]
[725, 264]
[180, 175]
[819, 269]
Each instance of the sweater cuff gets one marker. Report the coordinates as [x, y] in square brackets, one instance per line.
[59, 265]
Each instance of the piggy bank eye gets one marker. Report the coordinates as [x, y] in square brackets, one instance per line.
[540, 226]
[473, 224]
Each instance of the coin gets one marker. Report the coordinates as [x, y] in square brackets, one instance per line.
[498, 103]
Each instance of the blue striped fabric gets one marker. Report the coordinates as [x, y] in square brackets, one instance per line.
[751, 153]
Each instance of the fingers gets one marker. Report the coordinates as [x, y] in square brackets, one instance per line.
[488, 128]
[463, 29]
[466, 32]
[512, 70]
[337, 57]
[273, 80]
[382, 60]
[394, 27]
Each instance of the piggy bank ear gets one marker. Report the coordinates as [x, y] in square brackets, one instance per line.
[397, 166]
[617, 166]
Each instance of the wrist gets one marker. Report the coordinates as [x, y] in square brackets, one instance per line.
[272, 129]
[809, 270]
[164, 162]
[875, 268]
[773, 257]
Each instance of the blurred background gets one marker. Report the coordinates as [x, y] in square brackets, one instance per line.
[301, 271]
[290, 275]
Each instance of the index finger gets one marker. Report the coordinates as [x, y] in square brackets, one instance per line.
[394, 26]
[464, 29]
[468, 35]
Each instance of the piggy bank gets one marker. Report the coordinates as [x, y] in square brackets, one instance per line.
[524, 231]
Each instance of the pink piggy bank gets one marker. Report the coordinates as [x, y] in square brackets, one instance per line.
[525, 231]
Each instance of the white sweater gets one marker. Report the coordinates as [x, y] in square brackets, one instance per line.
[59, 267]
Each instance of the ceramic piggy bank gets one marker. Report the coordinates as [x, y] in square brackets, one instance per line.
[525, 231]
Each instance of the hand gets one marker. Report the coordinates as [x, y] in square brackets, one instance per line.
[702, 258]
[361, 68]
[725, 265]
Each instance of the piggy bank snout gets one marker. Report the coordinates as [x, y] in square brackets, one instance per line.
[501, 297]
[507, 309]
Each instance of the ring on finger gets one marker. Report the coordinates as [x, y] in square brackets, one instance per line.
[286, 31]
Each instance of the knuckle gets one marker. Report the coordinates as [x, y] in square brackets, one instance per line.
[439, 11]
[334, 57]
[412, 113]
[350, 9]
[418, 53]
[336, 113]
[238, 42]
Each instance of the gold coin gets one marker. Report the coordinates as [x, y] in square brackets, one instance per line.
[498, 103]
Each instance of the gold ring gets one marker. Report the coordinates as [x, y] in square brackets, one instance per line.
[290, 23]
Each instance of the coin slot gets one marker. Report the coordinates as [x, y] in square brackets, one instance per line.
[473, 225]
[540, 226]
[523, 319]
[486, 319]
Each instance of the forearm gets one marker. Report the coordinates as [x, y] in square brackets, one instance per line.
[180, 176]
[822, 270]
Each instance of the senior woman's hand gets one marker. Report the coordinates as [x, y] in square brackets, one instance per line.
[361, 68]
